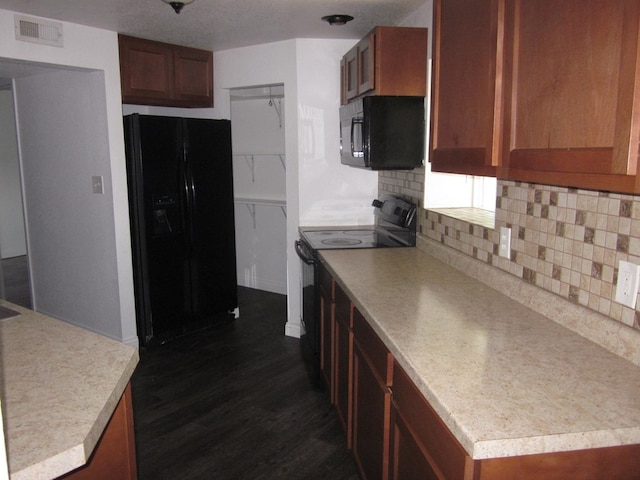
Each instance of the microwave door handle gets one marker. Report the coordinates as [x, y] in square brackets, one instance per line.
[359, 152]
[353, 125]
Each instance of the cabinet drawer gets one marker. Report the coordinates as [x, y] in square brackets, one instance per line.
[372, 348]
[327, 283]
[444, 453]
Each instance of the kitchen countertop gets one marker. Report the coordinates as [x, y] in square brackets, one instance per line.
[60, 386]
[504, 378]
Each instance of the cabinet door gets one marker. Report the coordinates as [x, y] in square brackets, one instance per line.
[193, 77]
[366, 64]
[466, 84]
[419, 432]
[409, 460]
[146, 71]
[351, 73]
[400, 61]
[371, 418]
[572, 113]
[343, 362]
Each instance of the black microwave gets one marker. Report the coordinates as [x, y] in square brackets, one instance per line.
[383, 133]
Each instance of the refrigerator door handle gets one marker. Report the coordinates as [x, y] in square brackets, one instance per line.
[190, 200]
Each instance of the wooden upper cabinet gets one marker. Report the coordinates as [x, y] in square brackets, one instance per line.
[388, 61]
[465, 135]
[154, 73]
[572, 110]
[538, 91]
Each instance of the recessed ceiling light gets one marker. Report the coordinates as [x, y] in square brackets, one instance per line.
[337, 19]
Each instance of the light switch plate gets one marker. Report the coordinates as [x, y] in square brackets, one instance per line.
[627, 286]
[97, 183]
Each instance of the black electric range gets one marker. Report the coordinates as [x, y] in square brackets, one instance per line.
[395, 226]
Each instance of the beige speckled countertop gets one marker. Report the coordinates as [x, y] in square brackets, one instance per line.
[504, 378]
[60, 385]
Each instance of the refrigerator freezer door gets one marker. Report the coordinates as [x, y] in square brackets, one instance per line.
[154, 174]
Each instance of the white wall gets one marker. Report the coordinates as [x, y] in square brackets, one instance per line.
[259, 175]
[269, 64]
[12, 239]
[104, 266]
[330, 193]
[71, 241]
[320, 191]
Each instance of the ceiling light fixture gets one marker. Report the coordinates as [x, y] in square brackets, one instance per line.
[337, 19]
[177, 6]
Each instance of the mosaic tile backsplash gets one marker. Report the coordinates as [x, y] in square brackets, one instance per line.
[564, 240]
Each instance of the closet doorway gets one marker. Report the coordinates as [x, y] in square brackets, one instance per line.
[259, 173]
[15, 286]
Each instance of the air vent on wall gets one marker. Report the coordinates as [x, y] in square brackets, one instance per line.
[37, 30]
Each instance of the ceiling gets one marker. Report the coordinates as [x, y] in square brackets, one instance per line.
[221, 24]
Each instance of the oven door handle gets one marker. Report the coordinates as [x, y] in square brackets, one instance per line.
[300, 250]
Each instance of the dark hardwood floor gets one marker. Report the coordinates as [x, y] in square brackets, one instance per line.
[16, 280]
[235, 402]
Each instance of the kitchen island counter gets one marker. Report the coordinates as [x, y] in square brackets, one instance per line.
[60, 386]
[505, 379]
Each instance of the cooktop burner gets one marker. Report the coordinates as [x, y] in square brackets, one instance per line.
[342, 242]
[362, 238]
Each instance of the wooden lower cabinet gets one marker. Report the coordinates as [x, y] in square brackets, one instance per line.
[343, 365]
[410, 461]
[613, 463]
[115, 454]
[423, 447]
[371, 402]
[421, 438]
[395, 434]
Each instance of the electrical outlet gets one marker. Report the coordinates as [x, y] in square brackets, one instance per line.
[505, 242]
[627, 286]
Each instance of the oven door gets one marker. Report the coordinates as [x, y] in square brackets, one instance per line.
[310, 301]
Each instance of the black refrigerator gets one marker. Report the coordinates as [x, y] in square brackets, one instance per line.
[180, 183]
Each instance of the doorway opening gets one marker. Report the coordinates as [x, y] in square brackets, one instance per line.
[259, 176]
[15, 285]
